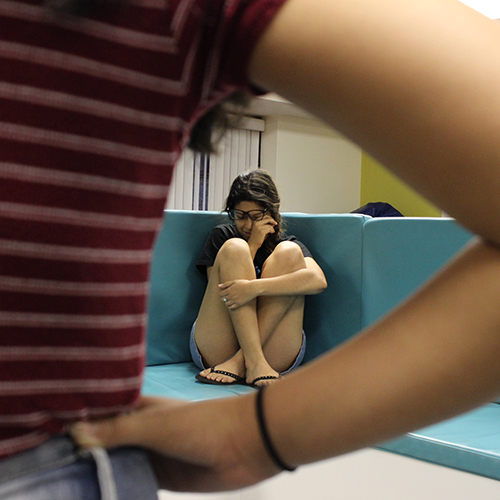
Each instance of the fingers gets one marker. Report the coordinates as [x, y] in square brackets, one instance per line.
[224, 293]
[269, 219]
[268, 223]
[187, 453]
[271, 222]
[265, 226]
[230, 293]
[104, 433]
[224, 286]
[225, 290]
[108, 433]
[129, 429]
[231, 304]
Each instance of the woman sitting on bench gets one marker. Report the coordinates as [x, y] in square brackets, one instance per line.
[249, 328]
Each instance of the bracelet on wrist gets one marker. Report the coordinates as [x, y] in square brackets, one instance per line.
[271, 450]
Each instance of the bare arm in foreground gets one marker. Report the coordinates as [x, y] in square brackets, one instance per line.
[416, 84]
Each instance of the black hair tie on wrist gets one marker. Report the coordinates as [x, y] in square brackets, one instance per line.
[271, 450]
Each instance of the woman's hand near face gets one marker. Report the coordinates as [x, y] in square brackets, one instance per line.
[260, 230]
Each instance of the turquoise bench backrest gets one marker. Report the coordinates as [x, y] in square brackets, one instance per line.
[370, 265]
[335, 240]
[177, 287]
[400, 254]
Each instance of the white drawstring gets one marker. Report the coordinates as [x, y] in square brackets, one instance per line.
[104, 473]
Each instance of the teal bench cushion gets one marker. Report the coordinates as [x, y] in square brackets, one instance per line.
[177, 287]
[176, 380]
[335, 241]
[400, 254]
[469, 443]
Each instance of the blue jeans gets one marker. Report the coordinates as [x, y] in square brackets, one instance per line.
[56, 470]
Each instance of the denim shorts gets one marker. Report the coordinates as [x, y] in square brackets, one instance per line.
[198, 360]
[57, 470]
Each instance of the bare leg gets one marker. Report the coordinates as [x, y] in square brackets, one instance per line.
[219, 333]
[281, 317]
[273, 322]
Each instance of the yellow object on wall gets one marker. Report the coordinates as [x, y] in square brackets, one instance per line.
[378, 184]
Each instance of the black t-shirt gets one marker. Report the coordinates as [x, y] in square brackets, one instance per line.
[220, 234]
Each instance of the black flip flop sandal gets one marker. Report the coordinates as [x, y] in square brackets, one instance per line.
[237, 378]
[265, 377]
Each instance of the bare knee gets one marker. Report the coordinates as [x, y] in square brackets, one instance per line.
[234, 248]
[234, 254]
[286, 257]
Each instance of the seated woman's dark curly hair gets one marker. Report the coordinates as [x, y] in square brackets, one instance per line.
[259, 187]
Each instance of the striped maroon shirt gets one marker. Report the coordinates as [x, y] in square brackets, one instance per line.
[93, 115]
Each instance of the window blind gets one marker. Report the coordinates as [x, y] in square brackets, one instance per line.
[202, 182]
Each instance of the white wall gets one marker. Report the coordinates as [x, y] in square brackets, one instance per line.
[316, 169]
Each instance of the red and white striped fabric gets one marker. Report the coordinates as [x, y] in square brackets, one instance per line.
[93, 115]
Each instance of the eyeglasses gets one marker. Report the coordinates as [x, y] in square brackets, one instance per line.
[254, 215]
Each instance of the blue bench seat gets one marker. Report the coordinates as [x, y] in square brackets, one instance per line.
[370, 264]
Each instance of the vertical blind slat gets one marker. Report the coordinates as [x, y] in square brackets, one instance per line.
[201, 182]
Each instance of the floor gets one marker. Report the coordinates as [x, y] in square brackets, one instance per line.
[365, 475]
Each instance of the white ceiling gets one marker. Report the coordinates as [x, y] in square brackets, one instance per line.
[490, 8]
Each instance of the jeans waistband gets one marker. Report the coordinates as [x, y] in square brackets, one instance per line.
[58, 452]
